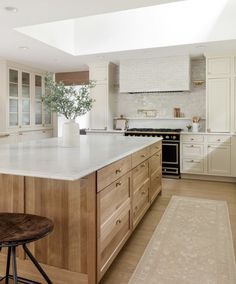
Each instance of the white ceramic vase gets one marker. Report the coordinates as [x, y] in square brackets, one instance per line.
[196, 126]
[70, 134]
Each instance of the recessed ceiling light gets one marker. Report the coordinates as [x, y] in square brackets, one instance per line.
[23, 47]
[11, 9]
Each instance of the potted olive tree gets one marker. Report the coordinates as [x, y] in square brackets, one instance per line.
[71, 103]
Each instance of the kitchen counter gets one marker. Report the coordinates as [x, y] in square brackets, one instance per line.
[205, 133]
[48, 159]
[107, 176]
[111, 131]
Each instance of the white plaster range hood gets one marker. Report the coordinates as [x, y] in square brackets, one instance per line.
[166, 74]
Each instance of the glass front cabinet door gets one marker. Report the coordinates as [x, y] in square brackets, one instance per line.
[26, 108]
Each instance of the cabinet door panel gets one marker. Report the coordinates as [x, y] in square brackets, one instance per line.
[219, 66]
[218, 160]
[219, 105]
[98, 114]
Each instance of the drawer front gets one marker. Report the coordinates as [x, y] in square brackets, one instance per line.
[155, 162]
[193, 138]
[112, 198]
[113, 234]
[190, 150]
[140, 175]
[155, 148]
[140, 156]
[155, 184]
[219, 139]
[193, 165]
[112, 172]
[140, 201]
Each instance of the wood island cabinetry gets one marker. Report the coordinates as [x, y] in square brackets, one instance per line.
[93, 215]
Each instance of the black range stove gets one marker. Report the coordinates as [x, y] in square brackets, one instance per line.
[170, 146]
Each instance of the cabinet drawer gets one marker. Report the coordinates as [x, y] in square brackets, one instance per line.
[140, 202]
[112, 172]
[193, 138]
[140, 156]
[155, 162]
[193, 165]
[155, 148]
[140, 175]
[155, 184]
[190, 150]
[112, 197]
[113, 235]
[219, 139]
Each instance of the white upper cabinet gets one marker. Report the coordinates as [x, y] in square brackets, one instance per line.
[21, 91]
[155, 74]
[221, 113]
[219, 66]
[218, 104]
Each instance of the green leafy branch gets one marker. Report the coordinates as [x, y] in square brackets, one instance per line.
[65, 100]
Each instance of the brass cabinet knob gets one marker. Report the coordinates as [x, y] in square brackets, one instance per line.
[118, 171]
[118, 183]
[118, 222]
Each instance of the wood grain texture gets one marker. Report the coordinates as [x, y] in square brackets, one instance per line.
[11, 193]
[112, 172]
[113, 221]
[72, 207]
[73, 78]
[140, 156]
[12, 198]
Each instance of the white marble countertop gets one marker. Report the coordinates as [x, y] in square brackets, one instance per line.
[205, 133]
[109, 131]
[48, 159]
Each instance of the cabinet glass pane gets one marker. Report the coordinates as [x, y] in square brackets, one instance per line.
[13, 119]
[48, 117]
[38, 112]
[25, 78]
[38, 87]
[13, 105]
[26, 118]
[13, 76]
[26, 91]
[13, 90]
[25, 105]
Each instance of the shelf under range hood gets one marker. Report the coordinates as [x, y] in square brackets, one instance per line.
[155, 75]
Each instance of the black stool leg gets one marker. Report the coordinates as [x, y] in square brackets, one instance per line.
[8, 265]
[14, 269]
[35, 262]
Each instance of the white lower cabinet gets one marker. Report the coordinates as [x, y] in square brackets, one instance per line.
[208, 154]
[218, 160]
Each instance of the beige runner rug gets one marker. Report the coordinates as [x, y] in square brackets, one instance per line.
[192, 244]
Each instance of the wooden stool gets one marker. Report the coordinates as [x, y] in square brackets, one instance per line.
[19, 229]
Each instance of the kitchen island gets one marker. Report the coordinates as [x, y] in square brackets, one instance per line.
[96, 194]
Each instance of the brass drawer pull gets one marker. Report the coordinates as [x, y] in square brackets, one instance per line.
[143, 166]
[143, 192]
[135, 208]
[118, 222]
[192, 139]
[143, 156]
[118, 183]
[157, 147]
[118, 171]
[218, 140]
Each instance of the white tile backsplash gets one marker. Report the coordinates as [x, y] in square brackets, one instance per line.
[192, 103]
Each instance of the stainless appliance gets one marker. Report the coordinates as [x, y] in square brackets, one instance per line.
[170, 147]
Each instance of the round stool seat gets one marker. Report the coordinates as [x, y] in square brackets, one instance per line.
[23, 228]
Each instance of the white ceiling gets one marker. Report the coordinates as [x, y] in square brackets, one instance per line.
[43, 56]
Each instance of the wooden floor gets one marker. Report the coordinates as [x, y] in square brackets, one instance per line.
[124, 265]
